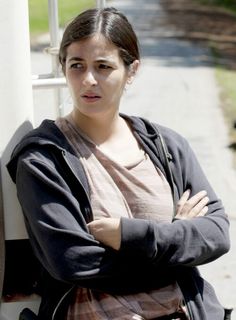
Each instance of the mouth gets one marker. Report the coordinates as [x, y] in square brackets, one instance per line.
[90, 97]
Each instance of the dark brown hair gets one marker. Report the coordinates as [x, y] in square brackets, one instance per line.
[111, 23]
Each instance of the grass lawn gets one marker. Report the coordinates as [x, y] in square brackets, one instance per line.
[225, 74]
[227, 4]
[226, 79]
[38, 13]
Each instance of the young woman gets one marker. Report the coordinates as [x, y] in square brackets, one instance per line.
[118, 210]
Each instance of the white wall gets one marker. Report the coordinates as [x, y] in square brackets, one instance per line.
[16, 103]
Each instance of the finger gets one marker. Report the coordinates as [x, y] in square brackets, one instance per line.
[194, 202]
[190, 203]
[184, 196]
[203, 212]
[198, 207]
[182, 201]
[192, 208]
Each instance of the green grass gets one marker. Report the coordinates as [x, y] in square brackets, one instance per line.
[38, 13]
[227, 81]
[227, 4]
[226, 78]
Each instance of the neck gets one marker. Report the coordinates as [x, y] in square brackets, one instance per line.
[99, 129]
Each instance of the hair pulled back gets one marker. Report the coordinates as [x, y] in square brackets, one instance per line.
[109, 22]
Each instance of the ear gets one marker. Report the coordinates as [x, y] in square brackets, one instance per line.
[133, 68]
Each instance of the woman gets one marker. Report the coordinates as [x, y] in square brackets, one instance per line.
[117, 209]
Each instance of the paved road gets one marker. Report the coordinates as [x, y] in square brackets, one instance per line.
[176, 87]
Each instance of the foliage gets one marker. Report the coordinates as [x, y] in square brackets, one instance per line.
[38, 12]
[223, 2]
[227, 79]
[228, 4]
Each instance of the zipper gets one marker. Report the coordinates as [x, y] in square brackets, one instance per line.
[168, 157]
[87, 208]
[166, 170]
[60, 302]
[188, 308]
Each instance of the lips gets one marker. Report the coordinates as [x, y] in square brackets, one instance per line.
[91, 97]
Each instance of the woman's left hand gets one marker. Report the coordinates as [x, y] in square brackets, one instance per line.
[107, 231]
[191, 207]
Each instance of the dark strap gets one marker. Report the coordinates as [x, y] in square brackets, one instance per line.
[228, 314]
[169, 171]
[2, 241]
[166, 158]
[176, 315]
[27, 314]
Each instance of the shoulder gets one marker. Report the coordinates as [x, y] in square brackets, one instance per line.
[42, 137]
[174, 141]
[38, 144]
[177, 146]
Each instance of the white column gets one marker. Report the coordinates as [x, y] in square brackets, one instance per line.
[53, 20]
[16, 102]
[100, 4]
[16, 114]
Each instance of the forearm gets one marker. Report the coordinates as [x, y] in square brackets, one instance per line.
[184, 242]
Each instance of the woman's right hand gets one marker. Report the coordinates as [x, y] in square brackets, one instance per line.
[196, 206]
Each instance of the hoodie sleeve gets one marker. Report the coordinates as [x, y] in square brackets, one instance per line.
[183, 242]
[55, 224]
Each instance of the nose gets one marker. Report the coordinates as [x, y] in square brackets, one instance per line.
[89, 78]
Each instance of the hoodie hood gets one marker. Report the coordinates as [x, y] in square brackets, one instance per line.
[46, 134]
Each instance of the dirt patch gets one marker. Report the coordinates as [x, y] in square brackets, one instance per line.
[213, 26]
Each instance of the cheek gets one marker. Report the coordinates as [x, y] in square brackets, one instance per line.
[72, 81]
[70, 84]
[74, 89]
[116, 82]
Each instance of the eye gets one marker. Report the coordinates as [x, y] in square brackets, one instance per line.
[104, 66]
[76, 66]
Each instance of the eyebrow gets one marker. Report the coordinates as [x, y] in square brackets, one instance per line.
[76, 59]
[101, 60]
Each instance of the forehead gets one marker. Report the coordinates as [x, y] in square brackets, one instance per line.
[92, 48]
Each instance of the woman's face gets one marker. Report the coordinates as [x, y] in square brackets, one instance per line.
[96, 76]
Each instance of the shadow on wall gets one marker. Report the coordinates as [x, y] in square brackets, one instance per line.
[18, 267]
[2, 241]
